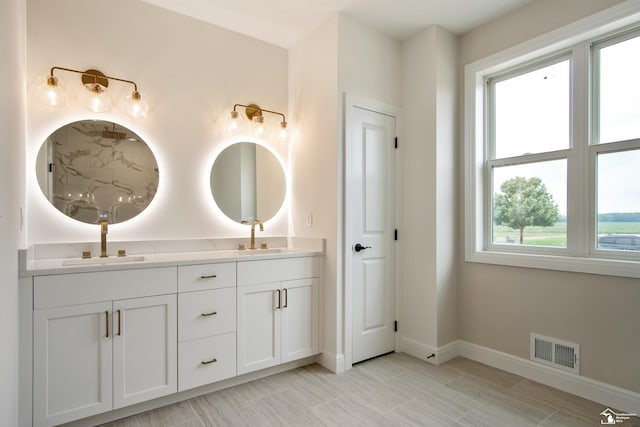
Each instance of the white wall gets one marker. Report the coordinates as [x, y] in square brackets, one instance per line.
[12, 120]
[369, 64]
[191, 72]
[427, 150]
[445, 181]
[313, 84]
[339, 57]
[369, 68]
[500, 306]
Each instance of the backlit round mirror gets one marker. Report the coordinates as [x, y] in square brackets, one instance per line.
[92, 170]
[248, 182]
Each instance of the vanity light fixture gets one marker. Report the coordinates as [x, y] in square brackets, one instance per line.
[254, 114]
[98, 100]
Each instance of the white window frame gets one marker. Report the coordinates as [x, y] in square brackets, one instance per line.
[580, 255]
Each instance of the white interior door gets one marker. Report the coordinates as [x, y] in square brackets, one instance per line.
[372, 226]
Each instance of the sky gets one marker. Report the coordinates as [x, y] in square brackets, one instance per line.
[533, 116]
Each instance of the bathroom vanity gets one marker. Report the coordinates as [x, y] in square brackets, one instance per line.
[160, 326]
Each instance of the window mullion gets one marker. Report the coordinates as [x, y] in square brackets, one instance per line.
[579, 178]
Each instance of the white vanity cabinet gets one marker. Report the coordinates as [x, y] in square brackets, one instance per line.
[207, 324]
[102, 341]
[98, 339]
[277, 303]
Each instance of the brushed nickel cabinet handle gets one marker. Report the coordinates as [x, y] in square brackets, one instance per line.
[208, 276]
[213, 313]
[106, 314]
[119, 323]
[279, 306]
[207, 362]
[286, 298]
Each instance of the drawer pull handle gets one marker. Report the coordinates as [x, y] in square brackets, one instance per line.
[208, 276]
[119, 323]
[106, 314]
[207, 362]
[279, 306]
[286, 298]
[213, 313]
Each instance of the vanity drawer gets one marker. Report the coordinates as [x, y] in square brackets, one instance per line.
[196, 365]
[82, 288]
[206, 276]
[195, 313]
[278, 270]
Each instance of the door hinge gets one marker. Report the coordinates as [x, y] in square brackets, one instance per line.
[396, 142]
[395, 326]
[395, 234]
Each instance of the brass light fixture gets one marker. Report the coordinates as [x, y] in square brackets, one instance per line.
[255, 115]
[53, 94]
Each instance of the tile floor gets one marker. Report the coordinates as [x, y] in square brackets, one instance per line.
[393, 390]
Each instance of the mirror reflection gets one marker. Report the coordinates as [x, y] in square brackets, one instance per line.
[248, 182]
[92, 170]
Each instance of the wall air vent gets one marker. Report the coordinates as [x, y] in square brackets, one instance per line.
[557, 353]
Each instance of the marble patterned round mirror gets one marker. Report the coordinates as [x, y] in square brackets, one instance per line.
[93, 169]
[248, 182]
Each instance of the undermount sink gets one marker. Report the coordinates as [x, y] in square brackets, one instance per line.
[98, 260]
[258, 251]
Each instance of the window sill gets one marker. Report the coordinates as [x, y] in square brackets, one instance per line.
[602, 266]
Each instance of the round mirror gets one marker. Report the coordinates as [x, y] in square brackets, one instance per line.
[248, 182]
[92, 170]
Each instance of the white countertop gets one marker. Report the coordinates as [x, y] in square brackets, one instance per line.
[65, 258]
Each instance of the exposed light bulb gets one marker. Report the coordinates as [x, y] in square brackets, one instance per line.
[99, 101]
[233, 122]
[283, 134]
[96, 103]
[52, 96]
[51, 93]
[137, 106]
[260, 126]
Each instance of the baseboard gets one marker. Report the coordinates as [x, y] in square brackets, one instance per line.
[448, 352]
[332, 362]
[609, 395]
[427, 353]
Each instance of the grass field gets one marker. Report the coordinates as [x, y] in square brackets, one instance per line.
[556, 235]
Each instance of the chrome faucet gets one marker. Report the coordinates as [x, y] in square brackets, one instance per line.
[252, 243]
[104, 229]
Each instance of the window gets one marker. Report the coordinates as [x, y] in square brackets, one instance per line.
[529, 140]
[615, 145]
[553, 150]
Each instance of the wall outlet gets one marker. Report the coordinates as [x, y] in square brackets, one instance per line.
[309, 221]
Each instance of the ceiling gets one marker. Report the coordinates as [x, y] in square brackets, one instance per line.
[285, 22]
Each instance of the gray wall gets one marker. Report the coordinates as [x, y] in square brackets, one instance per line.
[500, 306]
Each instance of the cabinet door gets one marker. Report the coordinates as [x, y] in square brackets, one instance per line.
[144, 349]
[299, 319]
[258, 326]
[72, 363]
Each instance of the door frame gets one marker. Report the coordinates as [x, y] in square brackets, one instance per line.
[352, 101]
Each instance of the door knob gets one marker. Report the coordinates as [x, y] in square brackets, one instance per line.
[358, 247]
